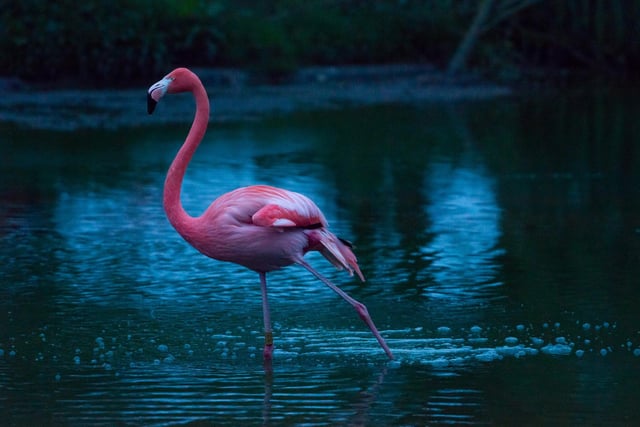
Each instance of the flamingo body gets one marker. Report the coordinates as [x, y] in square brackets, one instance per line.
[273, 227]
[260, 227]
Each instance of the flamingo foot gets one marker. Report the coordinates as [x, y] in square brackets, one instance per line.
[358, 306]
[366, 318]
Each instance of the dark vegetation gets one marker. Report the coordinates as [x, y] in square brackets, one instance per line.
[121, 42]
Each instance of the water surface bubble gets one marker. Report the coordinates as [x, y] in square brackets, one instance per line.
[520, 327]
[163, 348]
[488, 356]
[511, 340]
[476, 329]
[636, 352]
[586, 326]
[536, 341]
[556, 349]
[439, 363]
[444, 330]
[603, 352]
[579, 353]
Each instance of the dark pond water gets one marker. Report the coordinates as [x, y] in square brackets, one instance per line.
[500, 240]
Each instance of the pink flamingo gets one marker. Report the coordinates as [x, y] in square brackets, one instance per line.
[260, 227]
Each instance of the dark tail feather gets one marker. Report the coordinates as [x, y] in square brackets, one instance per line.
[338, 252]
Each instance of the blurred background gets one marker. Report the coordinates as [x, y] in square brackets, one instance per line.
[121, 42]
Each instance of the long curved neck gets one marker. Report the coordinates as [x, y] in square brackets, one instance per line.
[178, 217]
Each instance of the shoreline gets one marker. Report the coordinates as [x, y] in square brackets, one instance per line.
[233, 98]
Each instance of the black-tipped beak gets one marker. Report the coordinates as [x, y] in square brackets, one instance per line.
[157, 91]
[151, 104]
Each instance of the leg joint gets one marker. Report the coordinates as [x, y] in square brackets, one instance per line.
[268, 338]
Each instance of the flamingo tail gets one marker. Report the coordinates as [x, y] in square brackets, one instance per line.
[338, 252]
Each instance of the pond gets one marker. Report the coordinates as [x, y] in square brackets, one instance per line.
[500, 240]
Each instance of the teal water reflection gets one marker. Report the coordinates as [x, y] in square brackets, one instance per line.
[500, 240]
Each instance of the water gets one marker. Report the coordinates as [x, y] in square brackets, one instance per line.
[500, 240]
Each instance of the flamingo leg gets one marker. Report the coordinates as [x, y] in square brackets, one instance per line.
[358, 306]
[268, 332]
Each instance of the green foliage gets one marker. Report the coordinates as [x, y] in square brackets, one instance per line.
[369, 32]
[95, 41]
[279, 35]
[258, 41]
[122, 41]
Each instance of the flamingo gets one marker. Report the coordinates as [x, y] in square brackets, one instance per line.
[260, 227]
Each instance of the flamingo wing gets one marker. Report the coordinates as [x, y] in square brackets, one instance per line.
[277, 215]
[287, 209]
[284, 208]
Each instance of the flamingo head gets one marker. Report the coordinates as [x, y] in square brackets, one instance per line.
[179, 80]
